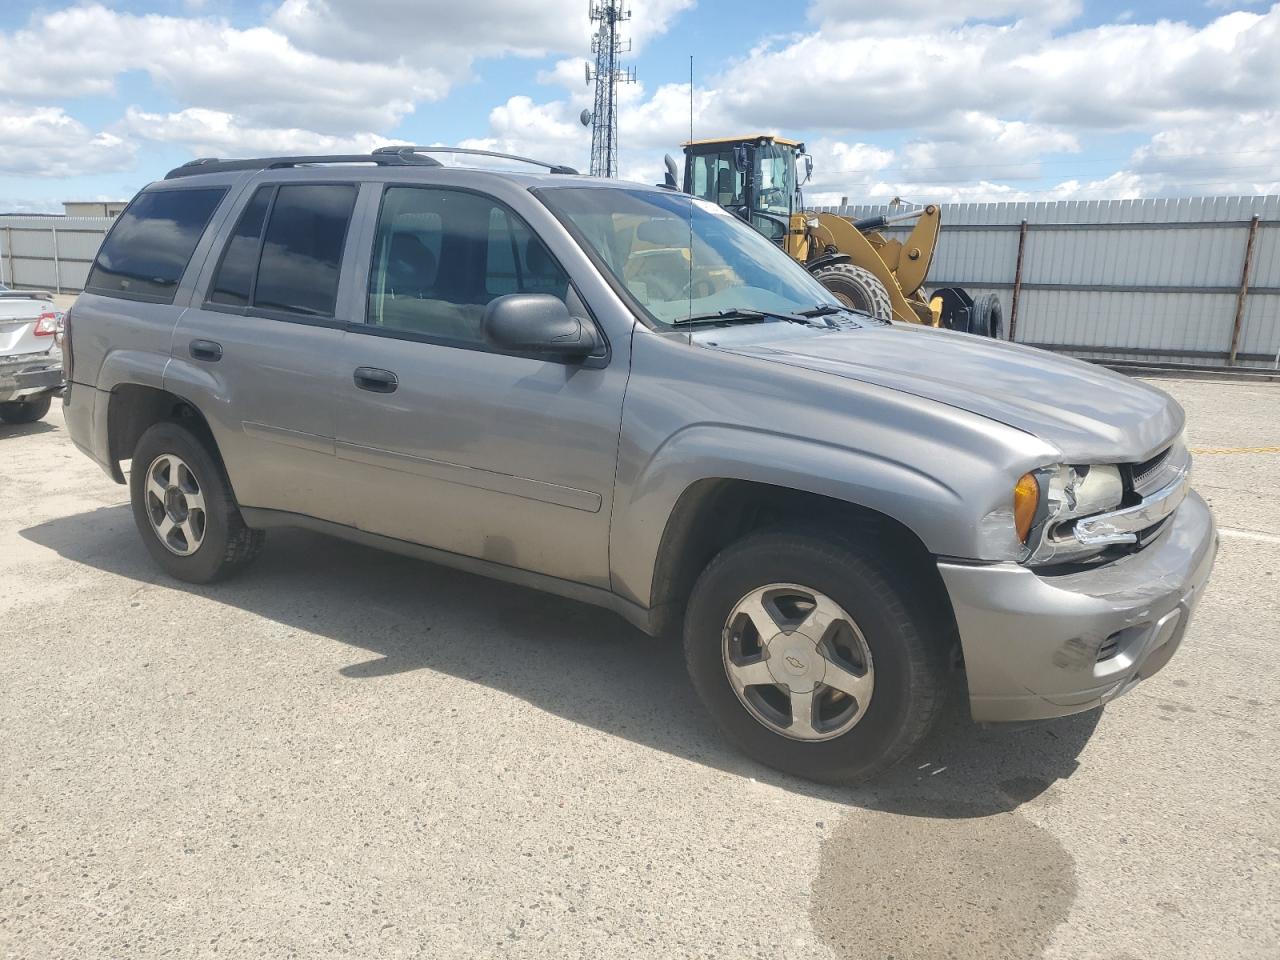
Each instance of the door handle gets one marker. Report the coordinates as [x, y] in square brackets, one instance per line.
[376, 380]
[206, 350]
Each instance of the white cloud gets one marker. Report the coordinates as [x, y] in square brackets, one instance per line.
[45, 141]
[327, 66]
[941, 12]
[1009, 149]
[457, 32]
[215, 133]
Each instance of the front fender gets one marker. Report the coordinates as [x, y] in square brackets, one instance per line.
[926, 505]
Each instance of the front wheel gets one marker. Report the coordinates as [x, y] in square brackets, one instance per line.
[810, 657]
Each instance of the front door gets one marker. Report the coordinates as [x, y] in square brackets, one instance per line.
[450, 443]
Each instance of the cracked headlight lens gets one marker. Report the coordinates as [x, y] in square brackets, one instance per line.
[1069, 492]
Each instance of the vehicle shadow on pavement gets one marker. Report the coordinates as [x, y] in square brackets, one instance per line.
[574, 660]
[10, 431]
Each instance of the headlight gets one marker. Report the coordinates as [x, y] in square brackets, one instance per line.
[1063, 493]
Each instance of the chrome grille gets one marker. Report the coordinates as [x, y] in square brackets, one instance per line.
[1146, 471]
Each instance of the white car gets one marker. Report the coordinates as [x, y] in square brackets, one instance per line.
[30, 355]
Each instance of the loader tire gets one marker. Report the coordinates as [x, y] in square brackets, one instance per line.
[857, 288]
[988, 317]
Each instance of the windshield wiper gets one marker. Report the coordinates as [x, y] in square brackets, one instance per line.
[821, 310]
[748, 316]
[722, 316]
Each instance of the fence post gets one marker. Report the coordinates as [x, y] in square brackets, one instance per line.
[1244, 289]
[8, 251]
[57, 267]
[1017, 282]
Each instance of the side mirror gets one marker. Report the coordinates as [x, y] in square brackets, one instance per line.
[670, 179]
[537, 323]
[808, 168]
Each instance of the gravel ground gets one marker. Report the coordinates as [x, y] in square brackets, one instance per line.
[350, 754]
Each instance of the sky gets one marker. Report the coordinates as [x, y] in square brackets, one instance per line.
[929, 100]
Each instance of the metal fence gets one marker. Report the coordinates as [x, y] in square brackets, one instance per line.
[1194, 280]
[49, 253]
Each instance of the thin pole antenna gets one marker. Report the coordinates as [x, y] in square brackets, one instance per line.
[689, 288]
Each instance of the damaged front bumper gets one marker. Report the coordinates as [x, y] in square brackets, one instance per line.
[1038, 646]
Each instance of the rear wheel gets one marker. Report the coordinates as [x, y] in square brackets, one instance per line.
[857, 288]
[809, 656]
[184, 508]
[25, 411]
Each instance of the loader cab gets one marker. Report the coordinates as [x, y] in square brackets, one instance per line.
[751, 177]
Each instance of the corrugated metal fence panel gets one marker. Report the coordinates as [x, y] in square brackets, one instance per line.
[52, 253]
[1094, 272]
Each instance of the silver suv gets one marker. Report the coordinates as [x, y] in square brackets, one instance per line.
[626, 396]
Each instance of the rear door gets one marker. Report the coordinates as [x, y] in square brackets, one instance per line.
[450, 443]
[258, 350]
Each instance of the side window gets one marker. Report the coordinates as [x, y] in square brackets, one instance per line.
[233, 283]
[440, 256]
[148, 249]
[302, 248]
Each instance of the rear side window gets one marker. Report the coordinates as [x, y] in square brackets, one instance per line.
[302, 249]
[148, 249]
[285, 254]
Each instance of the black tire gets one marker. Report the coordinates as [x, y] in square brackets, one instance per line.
[227, 544]
[25, 411]
[988, 317]
[857, 288]
[904, 639]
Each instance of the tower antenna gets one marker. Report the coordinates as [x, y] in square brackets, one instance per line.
[607, 47]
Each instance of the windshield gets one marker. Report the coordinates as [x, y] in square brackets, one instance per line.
[681, 257]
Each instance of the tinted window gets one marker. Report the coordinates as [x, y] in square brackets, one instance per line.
[234, 280]
[149, 247]
[440, 256]
[302, 249]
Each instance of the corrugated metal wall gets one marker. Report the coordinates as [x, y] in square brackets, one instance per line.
[1152, 280]
[49, 253]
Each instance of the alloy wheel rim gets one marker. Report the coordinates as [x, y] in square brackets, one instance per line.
[175, 505]
[798, 662]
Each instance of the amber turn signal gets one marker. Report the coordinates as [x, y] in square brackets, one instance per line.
[1026, 497]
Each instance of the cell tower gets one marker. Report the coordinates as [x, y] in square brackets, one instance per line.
[607, 47]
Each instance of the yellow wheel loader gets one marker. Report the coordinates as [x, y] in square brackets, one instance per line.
[755, 177]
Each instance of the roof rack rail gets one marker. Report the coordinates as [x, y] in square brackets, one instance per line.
[194, 168]
[410, 151]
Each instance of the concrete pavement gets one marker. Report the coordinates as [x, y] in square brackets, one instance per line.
[351, 754]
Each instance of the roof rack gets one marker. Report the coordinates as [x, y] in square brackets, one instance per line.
[416, 151]
[382, 158]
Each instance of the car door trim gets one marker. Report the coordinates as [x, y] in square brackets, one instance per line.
[449, 472]
[289, 438]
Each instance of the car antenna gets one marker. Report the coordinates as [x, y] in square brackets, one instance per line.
[689, 289]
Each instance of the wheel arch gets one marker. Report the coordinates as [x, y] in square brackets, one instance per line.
[133, 407]
[713, 513]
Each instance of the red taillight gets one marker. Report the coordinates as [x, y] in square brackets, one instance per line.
[47, 325]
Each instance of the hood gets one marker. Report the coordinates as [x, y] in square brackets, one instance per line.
[1091, 414]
